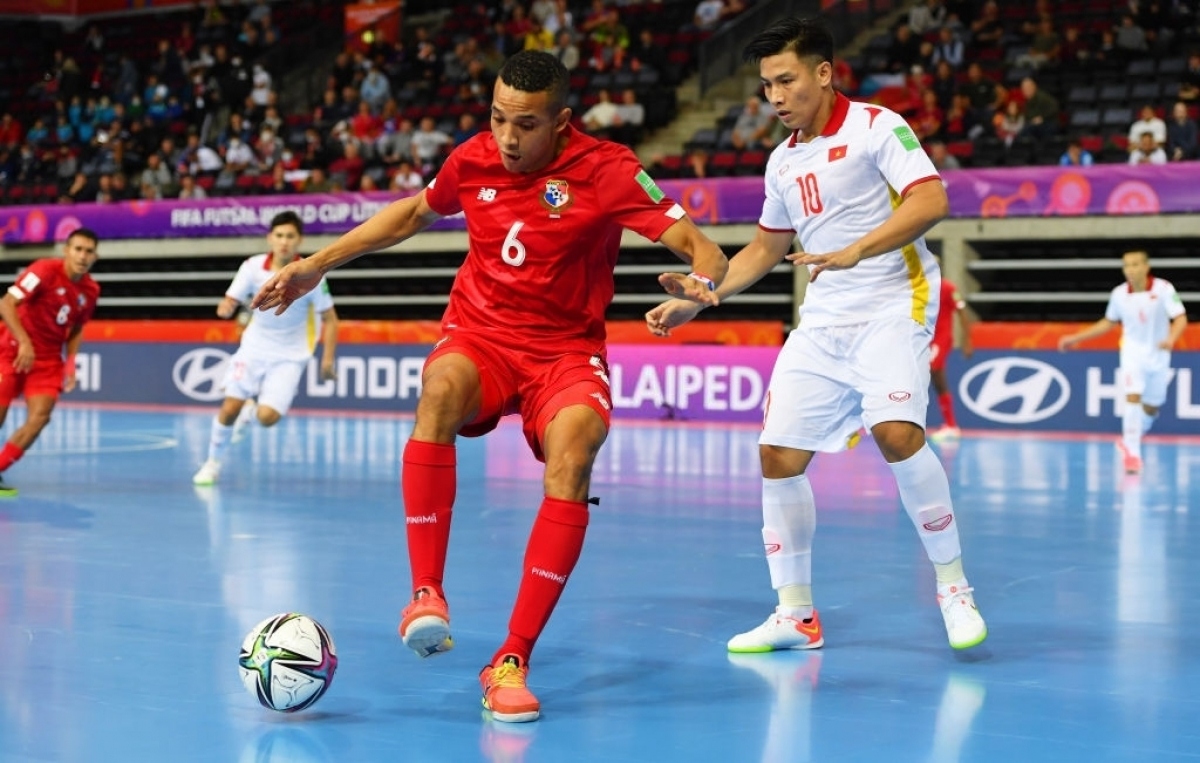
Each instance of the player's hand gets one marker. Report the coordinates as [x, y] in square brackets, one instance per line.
[671, 314]
[1064, 343]
[682, 286]
[967, 350]
[1166, 344]
[843, 260]
[328, 370]
[69, 382]
[25, 357]
[288, 285]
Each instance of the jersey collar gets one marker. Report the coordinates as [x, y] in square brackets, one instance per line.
[837, 118]
[1149, 285]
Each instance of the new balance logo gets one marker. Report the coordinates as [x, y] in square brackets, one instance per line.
[486, 194]
[428, 519]
[548, 575]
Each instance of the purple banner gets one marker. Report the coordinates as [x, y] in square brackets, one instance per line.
[1008, 192]
[690, 382]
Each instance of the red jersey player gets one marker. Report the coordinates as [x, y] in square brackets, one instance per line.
[43, 311]
[952, 304]
[523, 333]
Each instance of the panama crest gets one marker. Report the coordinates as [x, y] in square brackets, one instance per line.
[557, 196]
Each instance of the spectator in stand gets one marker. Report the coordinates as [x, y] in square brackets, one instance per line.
[1182, 140]
[1076, 155]
[1041, 111]
[927, 17]
[396, 146]
[560, 20]
[941, 156]
[1010, 122]
[708, 15]
[238, 158]
[406, 178]
[566, 50]
[317, 181]
[753, 126]
[11, 132]
[1045, 48]
[158, 176]
[1189, 81]
[695, 164]
[610, 43]
[987, 31]
[375, 89]
[366, 126]
[944, 85]
[1148, 121]
[986, 96]
[120, 187]
[347, 170]
[188, 189]
[465, 129]
[429, 145]
[80, 190]
[961, 122]
[1075, 51]
[104, 190]
[268, 148]
[929, 119]
[538, 37]
[904, 51]
[645, 53]
[949, 48]
[1130, 39]
[631, 117]
[601, 118]
[1147, 151]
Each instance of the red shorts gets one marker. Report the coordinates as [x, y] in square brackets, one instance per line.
[527, 382]
[939, 351]
[45, 378]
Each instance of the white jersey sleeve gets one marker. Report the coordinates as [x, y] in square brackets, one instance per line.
[291, 336]
[246, 282]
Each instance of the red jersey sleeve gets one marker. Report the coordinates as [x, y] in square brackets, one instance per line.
[631, 196]
[442, 192]
[33, 278]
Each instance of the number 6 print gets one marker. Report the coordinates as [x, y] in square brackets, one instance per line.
[513, 251]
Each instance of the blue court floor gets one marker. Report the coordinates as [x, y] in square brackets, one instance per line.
[125, 594]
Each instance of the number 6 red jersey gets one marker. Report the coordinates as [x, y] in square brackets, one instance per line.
[543, 245]
[50, 305]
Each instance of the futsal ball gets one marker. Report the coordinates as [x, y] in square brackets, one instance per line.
[287, 662]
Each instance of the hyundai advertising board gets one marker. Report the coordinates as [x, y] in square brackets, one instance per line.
[1036, 390]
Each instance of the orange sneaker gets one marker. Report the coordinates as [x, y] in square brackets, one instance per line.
[425, 624]
[1132, 463]
[505, 693]
[780, 632]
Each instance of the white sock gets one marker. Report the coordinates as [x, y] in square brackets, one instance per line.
[925, 493]
[789, 523]
[218, 442]
[1148, 420]
[1131, 429]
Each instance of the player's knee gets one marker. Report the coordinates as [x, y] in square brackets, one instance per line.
[780, 463]
[444, 398]
[268, 417]
[898, 440]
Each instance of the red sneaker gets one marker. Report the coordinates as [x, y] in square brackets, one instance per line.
[505, 693]
[425, 624]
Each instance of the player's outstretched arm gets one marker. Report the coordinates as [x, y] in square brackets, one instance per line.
[746, 268]
[708, 262]
[329, 339]
[394, 223]
[8, 312]
[1099, 328]
[923, 206]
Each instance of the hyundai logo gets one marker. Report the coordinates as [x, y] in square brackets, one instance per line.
[1014, 390]
[199, 373]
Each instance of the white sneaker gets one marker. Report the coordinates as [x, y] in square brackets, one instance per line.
[780, 632]
[964, 625]
[247, 415]
[945, 433]
[208, 473]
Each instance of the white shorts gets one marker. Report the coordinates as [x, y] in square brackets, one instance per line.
[1150, 383]
[272, 382]
[830, 381]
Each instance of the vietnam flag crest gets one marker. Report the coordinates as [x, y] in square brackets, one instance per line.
[837, 152]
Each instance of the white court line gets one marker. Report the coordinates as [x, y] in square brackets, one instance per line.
[148, 442]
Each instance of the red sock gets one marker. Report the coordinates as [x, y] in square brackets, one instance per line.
[554, 546]
[9, 455]
[946, 403]
[428, 484]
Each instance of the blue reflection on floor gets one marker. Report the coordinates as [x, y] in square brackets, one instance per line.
[125, 593]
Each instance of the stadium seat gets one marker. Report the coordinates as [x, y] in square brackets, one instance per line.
[751, 163]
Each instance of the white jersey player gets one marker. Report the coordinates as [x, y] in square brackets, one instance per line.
[853, 184]
[274, 349]
[1152, 318]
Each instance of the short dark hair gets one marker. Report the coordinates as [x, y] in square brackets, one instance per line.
[87, 233]
[536, 71]
[807, 38]
[287, 217]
